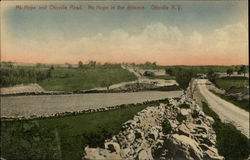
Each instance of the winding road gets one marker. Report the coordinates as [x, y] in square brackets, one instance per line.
[226, 111]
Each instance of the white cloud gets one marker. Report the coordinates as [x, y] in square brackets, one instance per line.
[156, 42]
[195, 39]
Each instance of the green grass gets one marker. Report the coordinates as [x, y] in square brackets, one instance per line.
[165, 77]
[83, 79]
[66, 137]
[228, 82]
[65, 79]
[244, 104]
[231, 143]
[197, 69]
[166, 127]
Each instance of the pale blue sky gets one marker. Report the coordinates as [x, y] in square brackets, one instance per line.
[204, 30]
[196, 15]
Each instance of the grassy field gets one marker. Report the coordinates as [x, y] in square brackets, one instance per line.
[196, 69]
[231, 143]
[66, 79]
[82, 79]
[228, 82]
[62, 137]
[244, 104]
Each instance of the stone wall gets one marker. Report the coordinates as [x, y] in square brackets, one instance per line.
[178, 130]
[79, 112]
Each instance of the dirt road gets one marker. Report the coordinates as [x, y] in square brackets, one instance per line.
[43, 105]
[226, 111]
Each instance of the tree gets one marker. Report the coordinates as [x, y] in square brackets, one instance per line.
[38, 65]
[154, 64]
[147, 64]
[211, 75]
[169, 71]
[183, 77]
[52, 67]
[92, 63]
[69, 65]
[229, 71]
[80, 64]
[243, 69]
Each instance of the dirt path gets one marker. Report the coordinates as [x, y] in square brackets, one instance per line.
[226, 111]
[26, 106]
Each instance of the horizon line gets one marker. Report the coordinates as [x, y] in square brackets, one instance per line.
[122, 63]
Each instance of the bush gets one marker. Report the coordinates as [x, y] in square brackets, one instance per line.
[183, 77]
[166, 127]
[184, 105]
[195, 114]
[180, 118]
[96, 139]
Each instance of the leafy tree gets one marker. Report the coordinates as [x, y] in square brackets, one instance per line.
[243, 69]
[154, 64]
[183, 77]
[169, 71]
[92, 63]
[80, 64]
[150, 65]
[52, 67]
[229, 71]
[147, 63]
[211, 75]
[68, 64]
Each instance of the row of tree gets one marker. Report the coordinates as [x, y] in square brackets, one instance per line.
[13, 76]
[241, 70]
[94, 64]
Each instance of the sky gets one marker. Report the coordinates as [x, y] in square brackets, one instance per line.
[199, 33]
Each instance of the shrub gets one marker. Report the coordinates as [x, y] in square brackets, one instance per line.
[184, 105]
[166, 127]
[180, 117]
[96, 139]
[183, 77]
[195, 114]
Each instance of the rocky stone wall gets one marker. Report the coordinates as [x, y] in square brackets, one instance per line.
[178, 130]
[79, 112]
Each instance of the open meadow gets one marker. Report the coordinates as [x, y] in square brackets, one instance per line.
[63, 137]
[227, 82]
[67, 79]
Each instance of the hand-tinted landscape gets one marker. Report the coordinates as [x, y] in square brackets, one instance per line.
[124, 80]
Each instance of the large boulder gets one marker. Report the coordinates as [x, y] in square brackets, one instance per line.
[145, 155]
[183, 147]
[183, 130]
